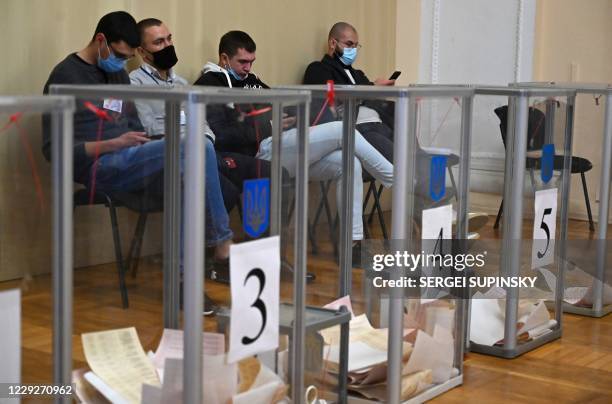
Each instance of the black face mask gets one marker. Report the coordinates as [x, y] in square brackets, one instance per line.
[166, 58]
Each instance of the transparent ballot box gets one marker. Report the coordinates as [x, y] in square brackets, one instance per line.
[514, 306]
[587, 282]
[200, 232]
[404, 164]
[32, 203]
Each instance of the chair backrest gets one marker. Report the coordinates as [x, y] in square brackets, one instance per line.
[536, 128]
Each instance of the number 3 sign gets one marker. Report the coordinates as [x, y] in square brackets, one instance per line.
[254, 278]
[544, 228]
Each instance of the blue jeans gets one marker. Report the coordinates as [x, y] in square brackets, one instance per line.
[126, 169]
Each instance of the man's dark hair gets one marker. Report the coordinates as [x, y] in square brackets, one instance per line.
[147, 23]
[234, 40]
[119, 26]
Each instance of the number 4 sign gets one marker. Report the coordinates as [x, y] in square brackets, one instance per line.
[254, 278]
[544, 228]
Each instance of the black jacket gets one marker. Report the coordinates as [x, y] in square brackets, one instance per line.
[234, 132]
[331, 68]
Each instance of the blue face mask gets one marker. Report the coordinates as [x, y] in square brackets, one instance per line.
[348, 56]
[112, 64]
[233, 73]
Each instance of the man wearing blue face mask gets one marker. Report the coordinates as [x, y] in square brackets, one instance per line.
[374, 120]
[116, 155]
[102, 61]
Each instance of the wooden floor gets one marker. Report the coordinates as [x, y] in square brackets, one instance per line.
[575, 369]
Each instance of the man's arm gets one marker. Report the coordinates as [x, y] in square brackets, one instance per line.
[127, 139]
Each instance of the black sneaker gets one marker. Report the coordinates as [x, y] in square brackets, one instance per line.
[357, 255]
[219, 271]
[210, 307]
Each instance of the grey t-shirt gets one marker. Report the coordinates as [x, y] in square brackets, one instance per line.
[74, 70]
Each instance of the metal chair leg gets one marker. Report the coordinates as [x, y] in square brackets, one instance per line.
[381, 218]
[499, 215]
[454, 184]
[133, 257]
[373, 209]
[587, 202]
[331, 219]
[118, 256]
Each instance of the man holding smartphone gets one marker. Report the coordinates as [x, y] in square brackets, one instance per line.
[375, 118]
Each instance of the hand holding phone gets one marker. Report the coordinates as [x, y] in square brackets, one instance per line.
[395, 75]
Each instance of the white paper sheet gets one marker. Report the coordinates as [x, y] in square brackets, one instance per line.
[343, 301]
[151, 394]
[220, 382]
[432, 352]
[361, 355]
[172, 387]
[538, 317]
[171, 346]
[544, 228]
[577, 294]
[254, 275]
[262, 394]
[107, 391]
[486, 320]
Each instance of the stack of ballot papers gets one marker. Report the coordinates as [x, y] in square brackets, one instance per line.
[578, 295]
[426, 361]
[489, 311]
[121, 372]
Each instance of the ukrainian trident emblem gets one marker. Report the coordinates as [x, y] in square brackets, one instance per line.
[256, 206]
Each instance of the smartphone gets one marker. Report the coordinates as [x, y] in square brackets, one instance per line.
[395, 75]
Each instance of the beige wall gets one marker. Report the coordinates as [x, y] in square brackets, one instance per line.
[39, 33]
[407, 43]
[574, 43]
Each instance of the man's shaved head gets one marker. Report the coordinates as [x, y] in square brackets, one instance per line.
[338, 28]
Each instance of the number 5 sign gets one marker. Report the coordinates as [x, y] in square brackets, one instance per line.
[544, 227]
[254, 278]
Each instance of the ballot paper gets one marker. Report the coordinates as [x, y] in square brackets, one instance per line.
[151, 394]
[220, 379]
[487, 318]
[265, 387]
[219, 384]
[343, 301]
[85, 392]
[108, 392]
[172, 386]
[367, 346]
[361, 355]
[433, 352]
[171, 346]
[577, 295]
[412, 384]
[118, 360]
[358, 326]
[538, 317]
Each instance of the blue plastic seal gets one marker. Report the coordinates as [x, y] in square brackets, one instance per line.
[437, 177]
[547, 163]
